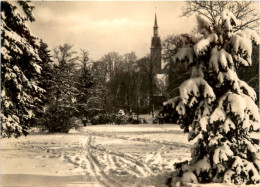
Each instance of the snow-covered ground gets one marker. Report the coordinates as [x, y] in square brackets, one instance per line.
[104, 155]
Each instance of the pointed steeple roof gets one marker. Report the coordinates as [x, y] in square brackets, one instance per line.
[155, 21]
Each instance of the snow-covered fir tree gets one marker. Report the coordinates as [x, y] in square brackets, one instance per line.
[46, 82]
[63, 91]
[20, 69]
[215, 107]
[47, 68]
[88, 89]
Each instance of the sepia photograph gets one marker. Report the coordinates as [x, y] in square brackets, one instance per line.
[130, 93]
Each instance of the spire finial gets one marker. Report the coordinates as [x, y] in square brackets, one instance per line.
[155, 20]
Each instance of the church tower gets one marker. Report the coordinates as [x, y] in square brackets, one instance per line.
[156, 49]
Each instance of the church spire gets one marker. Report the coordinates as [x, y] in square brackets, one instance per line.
[155, 27]
[155, 21]
[156, 47]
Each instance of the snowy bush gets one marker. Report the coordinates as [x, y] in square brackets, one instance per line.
[114, 119]
[216, 108]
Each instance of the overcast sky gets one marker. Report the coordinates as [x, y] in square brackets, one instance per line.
[102, 27]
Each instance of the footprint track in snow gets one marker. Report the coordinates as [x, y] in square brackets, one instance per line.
[116, 162]
[97, 168]
[109, 168]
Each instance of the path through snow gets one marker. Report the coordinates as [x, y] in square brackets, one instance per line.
[111, 156]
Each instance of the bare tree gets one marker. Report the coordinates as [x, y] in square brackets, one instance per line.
[84, 59]
[170, 46]
[64, 54]
[147, 64]
[242, 10]
[131, 81]
[113, 62]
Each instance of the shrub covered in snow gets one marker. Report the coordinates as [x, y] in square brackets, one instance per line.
[216, 108]
[115, 119]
